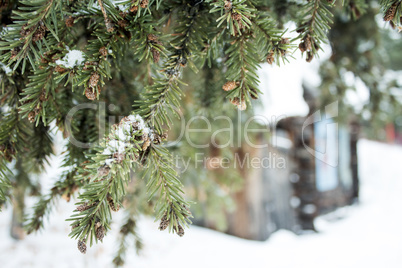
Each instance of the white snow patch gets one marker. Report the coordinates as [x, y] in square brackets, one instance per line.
[5, 68]
[282, 85]
[123, 135]
[71, 59]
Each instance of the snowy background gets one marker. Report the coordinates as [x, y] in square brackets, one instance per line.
[365, 235]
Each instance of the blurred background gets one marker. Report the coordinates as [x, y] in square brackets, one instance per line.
[327, 195]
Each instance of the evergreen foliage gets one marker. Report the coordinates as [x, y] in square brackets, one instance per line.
[130, 57]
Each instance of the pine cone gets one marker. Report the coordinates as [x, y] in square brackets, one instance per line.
[94, 80]
[103, 171]
[228, 86]
[307, 42]
[270, 57]
[285, 41]
[14, 52]
[100, 233]
[253, 93]
[82, 247]
[134, 9]
[122, 23]
[236, 16]
[228, 5]
[164, 223]
[391, 11]
[90, 94]
[59, 69]
[144, 3]
[84, 207]
[69, 22]
[31, 116]
[103, 51]
[43, 96]
[146, 144]
[152, 38]
[155, 55]
[235, 101]
[180, 230]
[113, 206]
[310, 56]
[302, 47]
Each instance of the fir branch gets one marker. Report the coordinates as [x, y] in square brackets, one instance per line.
[269, 40]
[163, 180]
[155, 110]
[42, 209]
[313, 27]
[64, 188]
[242, 72]
[4, 181]
[24, 39]
[128, 231]
[244, 25]
[355, 8]
[107, 175]
[392, 13]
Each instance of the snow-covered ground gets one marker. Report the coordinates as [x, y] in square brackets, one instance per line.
[363, 236]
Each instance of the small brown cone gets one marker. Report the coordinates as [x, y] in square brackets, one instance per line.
[113, 206]
[82, 247]
[228, 5]
[307, 42]
[155, 55]
[31, 116]
[43, 96]
[100, 233]
[164, 223]
[309, 57]
[152, 38]
[253, 94]
[236, 16]
[144, 3]
[302, 47]
[94, 80]
[146, 144]
[134, 9]
[59, 69]
[180, 230]
[391, 11]
[90, 94]
[103, 51]
[84, 207]
[69, 22]
[285, 41]
[230, 85]
[235, 101]
[270, 58]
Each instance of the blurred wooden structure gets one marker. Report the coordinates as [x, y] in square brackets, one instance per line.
[291, 197]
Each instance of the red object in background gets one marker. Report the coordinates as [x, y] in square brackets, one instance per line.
[390, 131]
